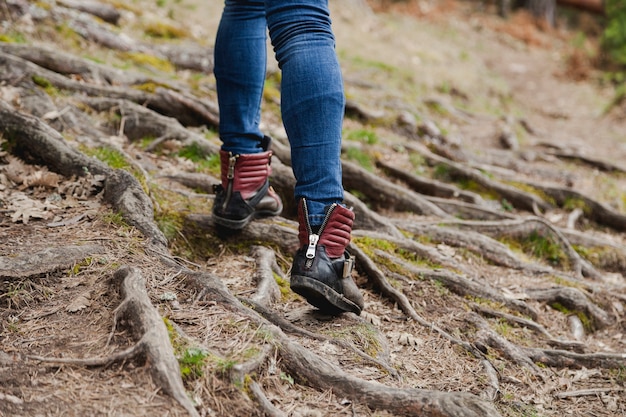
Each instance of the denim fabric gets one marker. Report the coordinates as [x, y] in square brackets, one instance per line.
[312, 96]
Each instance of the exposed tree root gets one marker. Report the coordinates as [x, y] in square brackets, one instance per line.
[138, 122]
[575, 300]
[317, 372]
[518, 198]
[491, 249]
[520, 321]
[600, 164]
[548, 357]
[153, 342]
[289, 327]
[32, 139]
[46, 261]
[431, 187]
[185, 56]
[463, 286]
[596, 211]
[526, 227]
[386, 194]
[375, 275]
[68, 64]
[267, 289]
[188, 110]
[485, 336]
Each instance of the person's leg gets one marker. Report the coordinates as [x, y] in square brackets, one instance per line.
[312, 98]
[240, 63]
[312, 105]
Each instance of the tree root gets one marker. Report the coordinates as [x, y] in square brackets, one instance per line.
[68, 64]
[188, 110]
[375, 275]
[572, 299]
[431, 187]
[602, 165]
[524, 228]
[289, 327]
[596, 211]
[46, 261]
[321, 374]
[487, 337]
[463, 286]
[34, 140]
[518, 198]
[384, 193]
[153, 345]
[491, 249]
[528, 356]
[530, 324]
[267, 289]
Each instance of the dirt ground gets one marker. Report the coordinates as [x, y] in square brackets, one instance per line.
[423, 58]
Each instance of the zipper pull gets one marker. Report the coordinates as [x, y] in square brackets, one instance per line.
[310, 251]
[230, 175]
[232, 160]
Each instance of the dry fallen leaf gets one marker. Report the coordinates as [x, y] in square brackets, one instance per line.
[24, 208]
[79, 303]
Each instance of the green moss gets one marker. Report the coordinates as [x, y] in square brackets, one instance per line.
[144, 59]
[78, 266]
[69, 35]
[271, 91]
[209, 164]
[192, 362]
[363, 336]
[572, 203]
[283, 285]
[171, 210]
[164, 30]
[418, 162]
[44, 83]
[604, 257]
[366, 136]
[364, 159]
[586, 321]
[150, 86]
[369, 245]
[539, 246]
[116, 159]
[531, 190]
[111, 157]
[146, 141]
[115, 219]
[12, 37]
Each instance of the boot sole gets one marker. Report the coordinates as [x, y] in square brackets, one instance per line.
[240, 224]
[322, 296]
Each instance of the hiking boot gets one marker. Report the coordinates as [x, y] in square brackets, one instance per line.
[322, 267]
[245, 193]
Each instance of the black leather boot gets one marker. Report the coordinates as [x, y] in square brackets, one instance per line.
[245, 193]
[322, 267]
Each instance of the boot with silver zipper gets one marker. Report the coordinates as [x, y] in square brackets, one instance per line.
[245, 193]
[322, 268]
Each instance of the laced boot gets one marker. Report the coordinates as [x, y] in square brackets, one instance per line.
[322, 267]
[245, 193]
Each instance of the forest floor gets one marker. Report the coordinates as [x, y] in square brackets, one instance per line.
[445, 90]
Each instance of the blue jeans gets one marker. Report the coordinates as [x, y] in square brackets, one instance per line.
[312, 95]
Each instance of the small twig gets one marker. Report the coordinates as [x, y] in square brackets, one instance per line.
[95, 361]
[267, 291]
[585, 392]
[264, 402]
